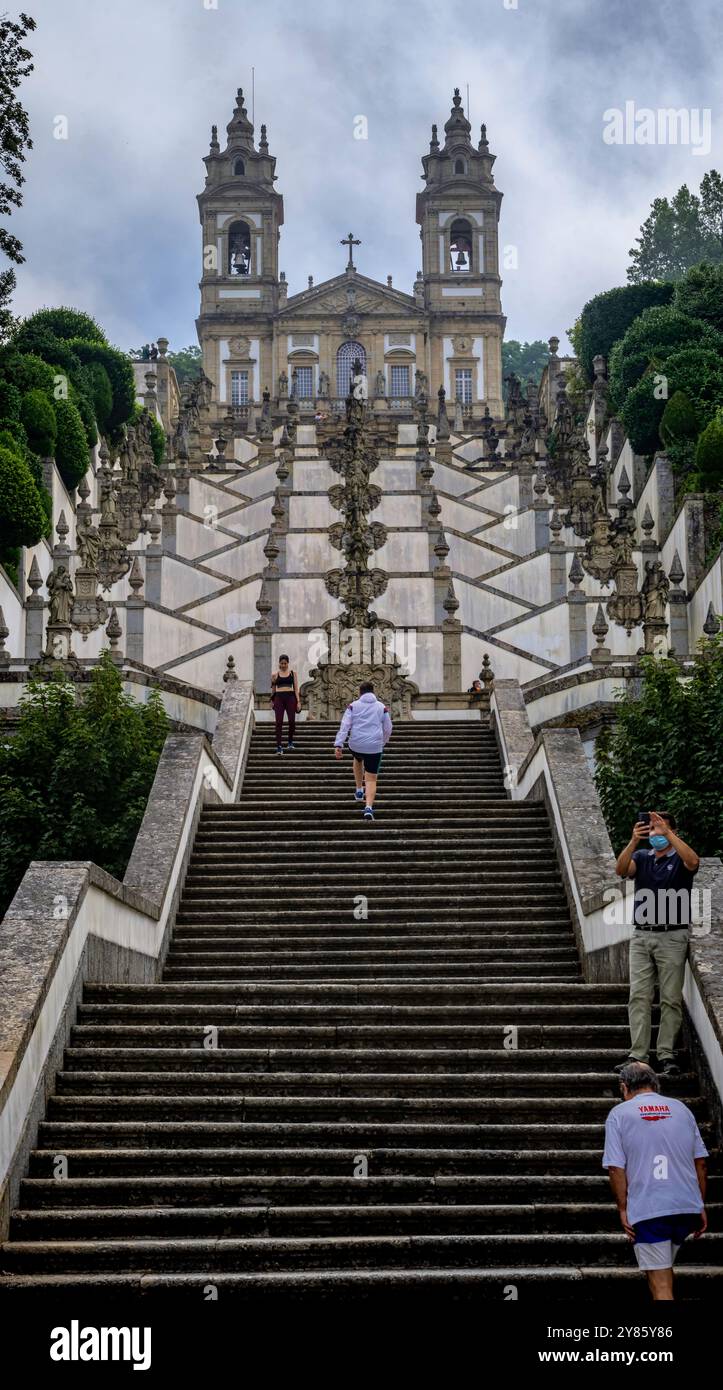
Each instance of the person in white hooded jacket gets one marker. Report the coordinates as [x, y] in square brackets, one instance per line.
[367, 724]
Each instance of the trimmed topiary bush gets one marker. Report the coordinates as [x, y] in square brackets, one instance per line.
[709, 456]
[642, 414]
[650, 340]
[71, 450]
[39, 419]
[679, 421]
[607, 317]
[95, 384]
[698, 372]
[120, 374]
[66, 323]
[87, 415]
[22, 517]
[27, 372]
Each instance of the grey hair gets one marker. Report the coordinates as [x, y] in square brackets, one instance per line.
[638, 1076]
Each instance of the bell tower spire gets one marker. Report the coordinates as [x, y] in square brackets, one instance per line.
[458, 214]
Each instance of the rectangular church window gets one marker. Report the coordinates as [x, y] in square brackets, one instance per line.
[239, 388]
[305, 382]
[463, 385]
[400, 381]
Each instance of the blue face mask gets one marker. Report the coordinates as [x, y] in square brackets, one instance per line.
[659, 841]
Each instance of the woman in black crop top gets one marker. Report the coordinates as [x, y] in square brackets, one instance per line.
[285, 700]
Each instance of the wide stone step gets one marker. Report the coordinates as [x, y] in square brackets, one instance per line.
[603, 1247]
[601, 1039]
[364, 1057]
[214, 1146]
[336, 973]
[495, 997]
[493, 1018]
[382, 1288]
[446, 956]
[355, 1098]
[426, 1218]
[209, 937]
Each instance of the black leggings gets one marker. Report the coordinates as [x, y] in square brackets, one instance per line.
[285, 701]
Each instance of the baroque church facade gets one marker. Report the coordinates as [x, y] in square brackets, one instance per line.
[448, 331]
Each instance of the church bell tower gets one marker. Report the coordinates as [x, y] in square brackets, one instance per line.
[458, 214]
[241, 214]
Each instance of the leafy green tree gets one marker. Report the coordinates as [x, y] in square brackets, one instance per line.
[15, 139]
[700, 294]
[663, 752]
[74, 780]
[10, 401]
[526, 360]
[39, 420]
[187, 361]
[71, 450]
[607, 317]
[709, 456]
[680, 232]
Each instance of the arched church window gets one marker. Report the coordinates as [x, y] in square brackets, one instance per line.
[239, 249]
[348, 354]
[460, 246]
[239, 167]
[459, 166]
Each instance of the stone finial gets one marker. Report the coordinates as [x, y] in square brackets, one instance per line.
[441, 549]
[553, 344]
[230, 674]
[450, 603]
[539, 487]
[600, 653]
[576, 573]
[114, 633]
[135, 578]
[676, 571]
[555, 526]
[647, 524]
[62, 528]
[624, 482]
[711, 625]
[4, 633]
[487, 676]
[155, 526]
[600, 627]
[35, 578]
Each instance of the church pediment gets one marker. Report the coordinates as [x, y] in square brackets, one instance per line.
[345, 294]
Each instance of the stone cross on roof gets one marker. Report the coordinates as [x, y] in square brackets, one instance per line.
[350, 241]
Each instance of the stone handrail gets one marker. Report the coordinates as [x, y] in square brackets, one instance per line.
[71, 922]
[553, 768]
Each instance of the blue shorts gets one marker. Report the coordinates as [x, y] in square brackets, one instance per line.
[658, 1240]
[371, 761]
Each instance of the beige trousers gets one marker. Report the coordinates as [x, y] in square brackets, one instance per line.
[656, 958]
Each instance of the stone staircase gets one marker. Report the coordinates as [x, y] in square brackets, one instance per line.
[371, 1065]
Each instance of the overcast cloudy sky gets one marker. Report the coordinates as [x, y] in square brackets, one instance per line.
[110, 223]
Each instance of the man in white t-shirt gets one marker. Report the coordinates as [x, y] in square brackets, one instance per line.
[656, 1161]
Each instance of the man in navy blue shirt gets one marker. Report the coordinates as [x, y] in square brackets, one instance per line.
[663, 875]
